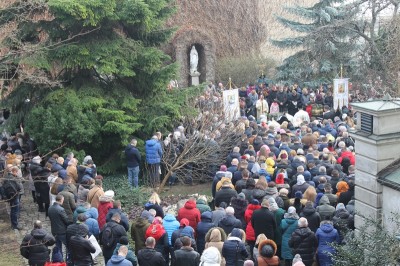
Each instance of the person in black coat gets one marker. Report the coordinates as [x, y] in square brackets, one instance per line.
[149, 256]
[304, 242]
[345, 197]
[263, 221]
[225, 194]
[81, 248]
[117, 209]
[312, 216]
[234, 249]
[186, 255]
[34, 245]
[117, 231]
[59, 221]
[202, 228]
[239, 204]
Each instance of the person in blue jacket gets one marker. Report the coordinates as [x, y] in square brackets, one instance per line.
[326, 235]
[153, 158]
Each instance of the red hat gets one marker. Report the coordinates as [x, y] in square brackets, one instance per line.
[280, 179]
[223, 168]
[184, 222]
[283, 156]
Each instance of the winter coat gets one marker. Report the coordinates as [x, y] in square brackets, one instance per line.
[150, 257]
[117, 260]
[181, 232]
[231, 156]
[34, 246]
[325, 210]
[80, 209]
[345, 197]
[263, 222]
[250, 234]
[124, 219]
[265, 259]
[350, 207]
[258, 194]
[202, 229]
[58, 219]
[202, 206]
[217, 215]
[239, 205]
[229, 222]
[138, 232]
[153, 151]
[106, 203]
[170, 225]
[225, 195]
[349, 155]
[159, 210]
[69, 204]
[288, 226]
[233, 250]
[118, 231]
[248, 193]
[312, 217]
[326, 236]
[304, 243]
[186, 256]
[270, 166]
[130, 256]
[218, 176]
[82, 194]
[132, 155]
[216, 238]
[343, 221]
[81, 249]
[278, 219]
[211, 257]
[92, 223]
[301, 188]
[190, 212]
[94, 195]
[223, 179]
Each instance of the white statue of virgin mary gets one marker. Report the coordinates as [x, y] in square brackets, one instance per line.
[194, 60]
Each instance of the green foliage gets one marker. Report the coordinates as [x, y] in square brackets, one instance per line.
[323, 45]
[243, 69]
[129, 197]
[371, 244]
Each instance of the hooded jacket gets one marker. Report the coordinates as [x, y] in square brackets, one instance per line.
[211, 257]
[202, 206]
[267, 253]
[216, 237]
[288, 226]
[225, 195]
[229, 222]
[117, 260]
[250, 234]
[153, 151]
[170, 225]
[190, 212]
[34, 246]
[93, 225]
[106, 203]
[343, 221]
[304, 243]
[326, 236]
[202, 228]
[325, 210]
[312, 217]
[138, 232]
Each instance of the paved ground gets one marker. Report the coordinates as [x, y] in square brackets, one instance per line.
[28, 215]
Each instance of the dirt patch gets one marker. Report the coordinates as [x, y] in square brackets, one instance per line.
[9, 247]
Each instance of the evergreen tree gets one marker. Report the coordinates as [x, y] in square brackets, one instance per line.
[321, 43]
[79, 71]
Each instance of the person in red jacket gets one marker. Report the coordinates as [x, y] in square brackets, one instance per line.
[190, 212]
[106, 203]
[349, 154]
[250, 234]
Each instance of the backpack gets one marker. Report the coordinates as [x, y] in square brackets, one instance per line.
[107, 237]
[9, 189]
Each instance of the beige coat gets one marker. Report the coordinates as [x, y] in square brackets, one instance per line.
[215, 238]
[93, 196]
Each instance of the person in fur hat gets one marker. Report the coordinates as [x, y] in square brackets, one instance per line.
[267, 253]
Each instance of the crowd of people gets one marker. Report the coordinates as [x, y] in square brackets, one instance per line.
[284, 194]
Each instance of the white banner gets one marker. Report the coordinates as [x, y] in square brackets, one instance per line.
[340, 93]
[231, 104]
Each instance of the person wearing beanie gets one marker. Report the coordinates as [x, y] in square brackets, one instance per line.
[343, 221]
[278, 214]
[267, 253]
[289, 224]
[202, 204]
[234, 249]
[326, 235]
[130, 255]
[229, 222]
[300, 185]
[138, 230]
[304, 242]
[211, 257]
